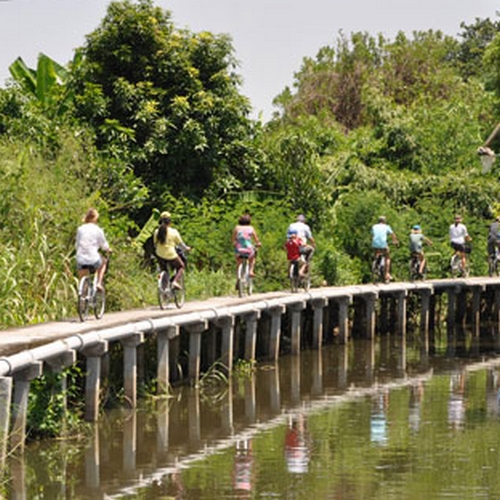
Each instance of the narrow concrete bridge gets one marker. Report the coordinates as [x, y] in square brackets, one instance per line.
[222, 330]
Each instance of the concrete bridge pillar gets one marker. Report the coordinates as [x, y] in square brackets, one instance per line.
[93, 378]
[22, 381]
[425, 303]
[130, 345]
[251, 320]
[227, 348]
[476, 308]
[401, 312]
[195, 330]
[296, 329]
[344, 303]
[163, 355]
[318, 306]
[370, 301]
[274, 339]
[5, 401]
[452, 307]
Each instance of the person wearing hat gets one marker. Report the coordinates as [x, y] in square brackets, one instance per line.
[458, 237]
[380, 232]
[166, 239]
[90, 239]
[417, 240]
[305, 236]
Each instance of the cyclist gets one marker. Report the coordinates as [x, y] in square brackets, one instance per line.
[380, 232]
[494, 238]
[90, 239]
[458, 237]
[244, 240]
[166, 239]
[305, 236]
[293, 246]
[417, 239]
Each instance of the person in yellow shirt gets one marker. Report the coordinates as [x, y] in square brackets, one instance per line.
[166, 239]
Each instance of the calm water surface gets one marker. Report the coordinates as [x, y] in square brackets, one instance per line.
[382, 419]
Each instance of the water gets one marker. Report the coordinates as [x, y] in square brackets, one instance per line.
[380, 419]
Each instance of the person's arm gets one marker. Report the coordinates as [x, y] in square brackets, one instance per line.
[233, 237]
[394, 238]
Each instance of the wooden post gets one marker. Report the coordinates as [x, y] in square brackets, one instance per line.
[93, 379]
[344, 303]
[318, 306]
[296, 329]
[163, 355]
[5, 402]
[274, 338]
[227, 348]
[251, 319]
[22, 381]
[195, 330]
[130, 366]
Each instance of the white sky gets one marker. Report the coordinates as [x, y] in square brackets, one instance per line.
[270, 37]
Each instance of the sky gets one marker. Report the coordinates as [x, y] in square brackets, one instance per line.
[270, 37]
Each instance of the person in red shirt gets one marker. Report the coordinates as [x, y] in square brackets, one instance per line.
[293, 246]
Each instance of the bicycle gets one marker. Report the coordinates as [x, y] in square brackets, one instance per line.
[457, 269]
[89, 296]
[166, 290]
[494, 263]
[379, 268]
[244, 282]
[415, 273]
[296, 279]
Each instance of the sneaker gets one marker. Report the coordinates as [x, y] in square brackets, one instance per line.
[176, 285]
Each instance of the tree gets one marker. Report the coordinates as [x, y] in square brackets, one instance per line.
[166, 101]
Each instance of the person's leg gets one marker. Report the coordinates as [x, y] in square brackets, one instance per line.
[178, 265]
[100, 272]
[421, 260]
[251, 264]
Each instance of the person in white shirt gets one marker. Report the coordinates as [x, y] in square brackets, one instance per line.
[305, 235]
[90, 239]
[458, 237]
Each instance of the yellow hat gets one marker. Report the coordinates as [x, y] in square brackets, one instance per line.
[165, 215]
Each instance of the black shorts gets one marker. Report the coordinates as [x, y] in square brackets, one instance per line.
[458, 247]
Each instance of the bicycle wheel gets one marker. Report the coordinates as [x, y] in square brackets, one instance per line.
[179, 293]
[306, 282]
[239, 280]
[294, 277]
[163, 290]
[99, 303]
[492, 265]
[455, 265]
[83, 298]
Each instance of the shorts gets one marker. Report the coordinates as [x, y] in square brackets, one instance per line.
[92, 267]
[245, 252]
[458, 247]
[381, 251]
[172, 263]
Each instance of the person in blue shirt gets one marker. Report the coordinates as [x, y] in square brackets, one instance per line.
[380, 233]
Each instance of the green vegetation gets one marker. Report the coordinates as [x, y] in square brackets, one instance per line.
[149, 117]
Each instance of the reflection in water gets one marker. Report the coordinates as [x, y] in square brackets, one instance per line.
[243, 467]
[353, 402]
[456, 401]
[378, 419]
[296, 445]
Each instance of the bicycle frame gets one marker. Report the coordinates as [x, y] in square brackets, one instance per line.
[89, 297]
[166, 292]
